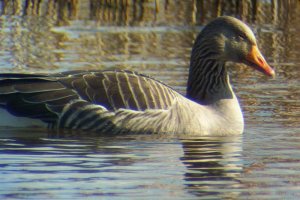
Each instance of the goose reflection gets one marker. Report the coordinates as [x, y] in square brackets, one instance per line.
[213, 165]
[208, 167]
[79, 151]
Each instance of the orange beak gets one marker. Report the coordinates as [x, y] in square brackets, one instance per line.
[259, 62]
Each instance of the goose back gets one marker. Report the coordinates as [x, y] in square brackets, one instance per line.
[44, 96]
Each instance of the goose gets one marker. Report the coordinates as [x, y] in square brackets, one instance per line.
[120, 101]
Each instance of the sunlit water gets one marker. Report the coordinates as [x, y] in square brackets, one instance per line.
[263, 163]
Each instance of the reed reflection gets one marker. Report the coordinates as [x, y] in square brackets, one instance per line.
[129, 12]
[31, 42]
[87, 40]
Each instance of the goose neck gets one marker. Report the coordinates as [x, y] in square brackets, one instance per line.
[208, 81]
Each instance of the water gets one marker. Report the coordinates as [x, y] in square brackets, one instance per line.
[155, 39]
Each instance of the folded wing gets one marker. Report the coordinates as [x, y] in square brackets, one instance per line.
[44, 96]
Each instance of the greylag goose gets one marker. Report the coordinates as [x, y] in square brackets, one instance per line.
[116, 101]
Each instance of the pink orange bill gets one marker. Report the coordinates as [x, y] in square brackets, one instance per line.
[259, 61]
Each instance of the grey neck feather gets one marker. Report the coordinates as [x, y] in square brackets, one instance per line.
[208, 80]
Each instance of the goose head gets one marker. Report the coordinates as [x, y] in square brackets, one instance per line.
[223, 41]
[227, 39]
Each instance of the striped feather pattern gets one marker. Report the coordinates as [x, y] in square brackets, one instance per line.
[121, 101]
[121, 89]
[209, 82]
[80, 114]
[81, 99]
[83, 115]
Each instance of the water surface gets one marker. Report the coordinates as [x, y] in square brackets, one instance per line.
[155, 39]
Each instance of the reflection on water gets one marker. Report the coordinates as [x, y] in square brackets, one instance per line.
[213, 163]
[90, 165]
[153, 37]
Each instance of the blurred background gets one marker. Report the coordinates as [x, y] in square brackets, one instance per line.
[154, 37]
[64, 34]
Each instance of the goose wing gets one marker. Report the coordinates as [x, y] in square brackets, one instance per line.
[34, 95]
[44, 96]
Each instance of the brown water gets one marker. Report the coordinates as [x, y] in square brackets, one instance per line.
[155, 39]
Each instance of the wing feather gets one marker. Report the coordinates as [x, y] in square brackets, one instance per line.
[45, 96]
[124, 89]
